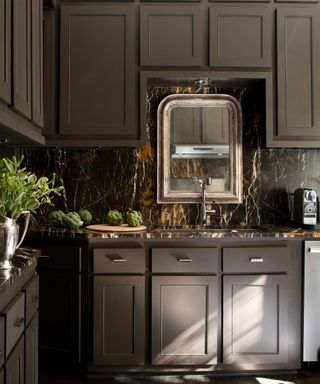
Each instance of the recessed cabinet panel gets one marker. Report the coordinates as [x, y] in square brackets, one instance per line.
[298, 48]
[37, 62]
[31, 350]
[184, 330]
[22, 56]
[15, 365]
[118, 320]
[5, 50]
[240, 37]
[97, 79]
[255, 319]
[171, 35]
[1, 341]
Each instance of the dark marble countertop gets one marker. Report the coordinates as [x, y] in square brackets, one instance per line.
[184, 232]
[23, 259]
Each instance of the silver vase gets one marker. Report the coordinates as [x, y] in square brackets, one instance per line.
[9, 238]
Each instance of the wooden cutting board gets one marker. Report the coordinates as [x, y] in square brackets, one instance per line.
[116, 228]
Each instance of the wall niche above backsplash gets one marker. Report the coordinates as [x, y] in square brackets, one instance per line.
[119, 178]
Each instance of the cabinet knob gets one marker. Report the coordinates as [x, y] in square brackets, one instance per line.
[256, 259]
[18, 322]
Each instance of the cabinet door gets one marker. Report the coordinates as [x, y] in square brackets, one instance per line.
[298, 48]
[59, 316]
[2, 376]
[22, 56]
[31, 352]
[15, 365]
[252, 28]
[184, 315]
[5, 50]
[37, 62]
[119, 326]
[255, 321]
[171, 35]
[97, 80]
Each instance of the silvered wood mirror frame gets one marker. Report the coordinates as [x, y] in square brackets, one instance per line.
[164, 194]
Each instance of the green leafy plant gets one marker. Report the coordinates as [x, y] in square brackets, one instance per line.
[21, 190]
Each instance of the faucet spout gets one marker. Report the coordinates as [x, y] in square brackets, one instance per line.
[204, 212]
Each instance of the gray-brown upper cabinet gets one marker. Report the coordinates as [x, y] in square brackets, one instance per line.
[240, 36]
[98, 94]
[298, 78]
[171, 35]
[22, 57]
[5, 50]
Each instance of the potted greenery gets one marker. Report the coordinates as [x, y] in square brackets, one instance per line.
[21, 192]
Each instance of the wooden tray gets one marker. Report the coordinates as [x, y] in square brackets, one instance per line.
[116, 228]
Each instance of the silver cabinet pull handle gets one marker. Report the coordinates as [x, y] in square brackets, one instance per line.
[256, 260]
[184, 259]
[18, 322]
[119, 261]
[43, 257]
[313, 250]
[116, 259]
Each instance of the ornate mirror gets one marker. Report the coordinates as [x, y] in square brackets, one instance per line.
[199, 135]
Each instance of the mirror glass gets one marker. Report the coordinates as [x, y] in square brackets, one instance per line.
[199, 136]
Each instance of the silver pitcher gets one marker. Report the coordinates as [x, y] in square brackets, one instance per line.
[9, 238]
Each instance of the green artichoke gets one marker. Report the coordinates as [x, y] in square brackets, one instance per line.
[134, 218]
[56, 218]
[114, 218]
[85, 216]
[72, 220]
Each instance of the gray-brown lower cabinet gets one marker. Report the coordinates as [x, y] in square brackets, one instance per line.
[119, 320]
[2, 376]
[184, 320]
[15, 365]
[31, 351]
[255, 319]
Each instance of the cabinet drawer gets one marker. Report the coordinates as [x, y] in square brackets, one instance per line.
[62, 258]
[255, 259]
[1, 341]
[32, 298]
[14, 321]
[185, 260]
[119, 260]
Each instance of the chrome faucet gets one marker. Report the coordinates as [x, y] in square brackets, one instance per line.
[204, 212]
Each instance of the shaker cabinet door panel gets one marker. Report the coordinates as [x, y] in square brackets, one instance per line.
[119, 320]
[240, 36]
[298, 49]
[31, 351]
[22, 57]
[97, 79]
[184, 315]
[171, 35]
[14, 369]
[5, 50]
[37, 62]
[255, 319]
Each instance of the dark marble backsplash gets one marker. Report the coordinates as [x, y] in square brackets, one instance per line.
[122, 178]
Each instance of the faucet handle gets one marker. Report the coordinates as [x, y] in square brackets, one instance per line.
[208, 180]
